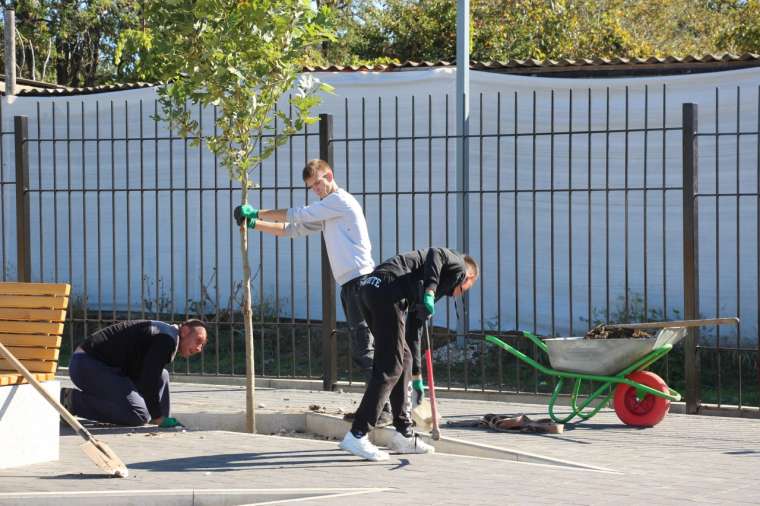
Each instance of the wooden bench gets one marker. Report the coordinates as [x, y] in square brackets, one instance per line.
[31, 324]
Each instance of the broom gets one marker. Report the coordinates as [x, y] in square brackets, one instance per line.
[97, 451]
[436, 432]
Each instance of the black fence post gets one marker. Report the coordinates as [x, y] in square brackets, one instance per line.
[690, 274]
[329, 341]
[23, 251]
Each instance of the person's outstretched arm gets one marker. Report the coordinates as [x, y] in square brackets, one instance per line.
[276, 215]
[252, 217]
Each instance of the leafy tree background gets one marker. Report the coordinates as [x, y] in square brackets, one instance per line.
[75, 42]
[71, 42]
[399, 30]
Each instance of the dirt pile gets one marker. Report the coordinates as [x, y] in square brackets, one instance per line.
[611, 332]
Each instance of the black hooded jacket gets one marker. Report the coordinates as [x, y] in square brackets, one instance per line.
[438, 269]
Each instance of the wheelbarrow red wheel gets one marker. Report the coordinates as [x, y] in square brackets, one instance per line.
[646, 411]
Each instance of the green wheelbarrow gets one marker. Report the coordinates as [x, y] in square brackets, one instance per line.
[641, 398]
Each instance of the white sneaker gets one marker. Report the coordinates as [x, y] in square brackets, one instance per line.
[361, 447]
[414, 444]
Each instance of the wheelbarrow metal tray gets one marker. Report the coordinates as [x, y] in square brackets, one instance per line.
[605, 357]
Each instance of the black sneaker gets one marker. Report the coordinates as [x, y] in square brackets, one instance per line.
[66, 394]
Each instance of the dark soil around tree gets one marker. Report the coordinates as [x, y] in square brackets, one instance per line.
[611, 332]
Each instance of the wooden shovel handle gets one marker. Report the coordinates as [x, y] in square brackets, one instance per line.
[676, 323]
[70, 419]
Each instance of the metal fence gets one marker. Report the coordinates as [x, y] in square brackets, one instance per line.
[578, 208]
[723, 198]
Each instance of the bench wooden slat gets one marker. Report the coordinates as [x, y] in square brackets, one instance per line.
[31, 328]
[32, 315]
[31, 322]
[26, 353]
[32, 365]
[36, 340]
[10, 288]
[14, 378]
[34, 301]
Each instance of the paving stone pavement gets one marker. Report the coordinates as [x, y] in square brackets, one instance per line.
[685, 459]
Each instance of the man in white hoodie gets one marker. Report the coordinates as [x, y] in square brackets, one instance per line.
[340, 218]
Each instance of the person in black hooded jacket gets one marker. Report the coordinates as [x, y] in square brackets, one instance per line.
[407, 283]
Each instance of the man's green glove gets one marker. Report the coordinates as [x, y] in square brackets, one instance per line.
[428, 300]
[170, 422]
[418, 391]
[247, 214]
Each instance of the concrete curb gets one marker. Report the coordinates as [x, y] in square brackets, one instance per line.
[266, 423]
[334, 427]
[185, 496]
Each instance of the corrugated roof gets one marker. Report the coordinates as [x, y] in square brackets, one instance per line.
[694, 63]
[104, 88]
[384, 67]
[28, 84]
[565, 67]
[563, 64]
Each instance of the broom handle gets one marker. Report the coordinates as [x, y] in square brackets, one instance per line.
[70, 419]
[436, 433]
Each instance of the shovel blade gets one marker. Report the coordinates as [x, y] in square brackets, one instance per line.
[105, 458]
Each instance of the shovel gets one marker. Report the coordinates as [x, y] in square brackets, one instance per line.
[97, 451]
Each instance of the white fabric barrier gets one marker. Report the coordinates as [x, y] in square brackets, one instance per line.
[183, 241]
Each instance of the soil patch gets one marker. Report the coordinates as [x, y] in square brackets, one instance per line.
[611, 332]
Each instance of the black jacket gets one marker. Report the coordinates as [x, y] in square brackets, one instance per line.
[140, 349]
[439, 269]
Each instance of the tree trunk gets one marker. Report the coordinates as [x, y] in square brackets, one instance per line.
[91, 52]
[250, 375]
[61, 73]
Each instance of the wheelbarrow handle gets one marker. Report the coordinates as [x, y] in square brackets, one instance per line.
[676, 323]
[517, 353]
[517, 333]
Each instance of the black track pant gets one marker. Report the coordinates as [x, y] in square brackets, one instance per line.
[386, 316]
[362, 342]
[108, 395]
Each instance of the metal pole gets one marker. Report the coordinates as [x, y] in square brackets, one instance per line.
[9, 30]
[463, 129]
[23, 250]
[329, 343]
[690, 277]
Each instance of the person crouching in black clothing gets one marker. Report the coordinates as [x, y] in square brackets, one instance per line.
[121, 375]
[387, 296]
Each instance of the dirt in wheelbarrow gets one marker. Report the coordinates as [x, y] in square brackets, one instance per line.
[611, 332]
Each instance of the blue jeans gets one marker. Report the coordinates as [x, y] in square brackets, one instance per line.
[108, 395]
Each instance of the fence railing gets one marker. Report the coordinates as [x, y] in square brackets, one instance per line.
[725, 212]
[583, 207]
